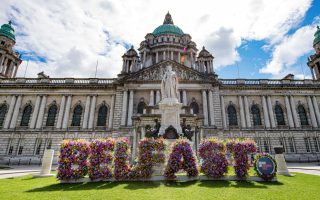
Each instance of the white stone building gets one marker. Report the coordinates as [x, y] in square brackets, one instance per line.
[38, 113]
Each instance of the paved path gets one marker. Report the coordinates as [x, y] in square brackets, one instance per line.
[17, 171]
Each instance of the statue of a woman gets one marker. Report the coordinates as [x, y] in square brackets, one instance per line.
[169, 84]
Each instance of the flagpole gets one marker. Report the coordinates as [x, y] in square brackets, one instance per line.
[25, 71]
[95, 75]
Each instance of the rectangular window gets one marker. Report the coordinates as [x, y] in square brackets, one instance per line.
[316, 144]
[291, 144]
[306, 142]
[10, 150]
[282, 143]
[20, 150]
[38, 147]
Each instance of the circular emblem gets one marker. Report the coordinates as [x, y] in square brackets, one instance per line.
[265, 166]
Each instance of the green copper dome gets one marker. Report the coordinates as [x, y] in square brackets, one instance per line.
[7, 31]
[316, 36]
[167, 27]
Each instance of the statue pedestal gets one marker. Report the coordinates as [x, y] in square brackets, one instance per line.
[170, 110]
[46, 163]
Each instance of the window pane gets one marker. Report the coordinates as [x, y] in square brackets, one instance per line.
[3, 112]
[303, 115]
[255, 111]
[102, 116]
[26, 115]
[76, 119]
[232, 115]
[279, 115]
[52, 115]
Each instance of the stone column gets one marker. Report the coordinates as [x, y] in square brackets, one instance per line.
[157, 57]
[111, 112]
[191, 59]
[294, 112]
[158, 96]
[61, 111]
[171, 55]
[265, 112]
[130, 109]
[10, 71]
[179, 57]
[312, 113]
[205, 107]
[242, 117]
[16, 112]
[10, 112]
[1, 61]
[246, 106]
[92, 111]
[41, 112]
[271, 115]
[124, 108]
[164, 55]
[223, 112]
[143, 133]
[151, 102]
[289, 113]
[144, 58]
[67, 113]
[316, 108]
[211, 108]
[35, 112]
[86, 113]
[184, 97]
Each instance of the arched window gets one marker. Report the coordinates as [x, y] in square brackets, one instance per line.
[76, 118]
[195, 107]
[3, 112]
[232, 115]
[303, 116]
[102, 115]
[256, 118]
[26, 115]
[52, 112]
[141, 106]
[279, 115]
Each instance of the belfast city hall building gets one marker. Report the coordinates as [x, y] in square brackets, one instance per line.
[39, 113]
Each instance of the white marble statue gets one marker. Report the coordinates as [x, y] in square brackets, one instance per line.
[169, 84]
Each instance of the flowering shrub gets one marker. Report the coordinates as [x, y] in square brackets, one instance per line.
[264, 176]
[122, 169]
[73, 153]
[215, 163]
[150, 153]
[240, 151]
[181, 157]
[100, 158]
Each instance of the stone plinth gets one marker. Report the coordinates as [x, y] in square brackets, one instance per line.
[281, 163]
[170, 110]
[46, 163]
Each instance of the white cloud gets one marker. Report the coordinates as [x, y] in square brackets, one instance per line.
[73, 34]
[286, 54]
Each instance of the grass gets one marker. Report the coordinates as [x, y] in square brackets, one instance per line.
[301, 186]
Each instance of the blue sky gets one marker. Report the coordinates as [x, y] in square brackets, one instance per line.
[250, 39]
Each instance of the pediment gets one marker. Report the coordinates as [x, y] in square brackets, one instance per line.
[157, 71]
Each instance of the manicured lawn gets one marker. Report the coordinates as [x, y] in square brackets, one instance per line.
[300, 186]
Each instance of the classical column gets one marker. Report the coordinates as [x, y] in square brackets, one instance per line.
[144, 58]
[9, 72]
[242, 118]
[184, 97]
[92, 111]
[273, 123]
[265, 112]
[1, 60]
[61, 111]
[223, 112]
[124, 108]
[246, 107]
[151, 101]
[86, 113]
[35, 112]
[164, 55]
[171, 55]
[67, 113]
[16, 112]
[316, 108]
[10, 112]
[179, 57]
[191, 59]
[205, 107]
[289, 113]
[211, 108]
[41, 111]
[111, 112]
[157, 57]
[130, 109]
[158, 96]
[294, 112]
[312, 113]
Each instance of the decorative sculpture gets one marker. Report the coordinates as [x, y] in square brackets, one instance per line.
[169, 84]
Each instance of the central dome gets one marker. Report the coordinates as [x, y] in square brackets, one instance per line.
[167, 27]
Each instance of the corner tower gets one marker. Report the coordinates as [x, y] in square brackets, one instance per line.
[314, 60]
[9, 59]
